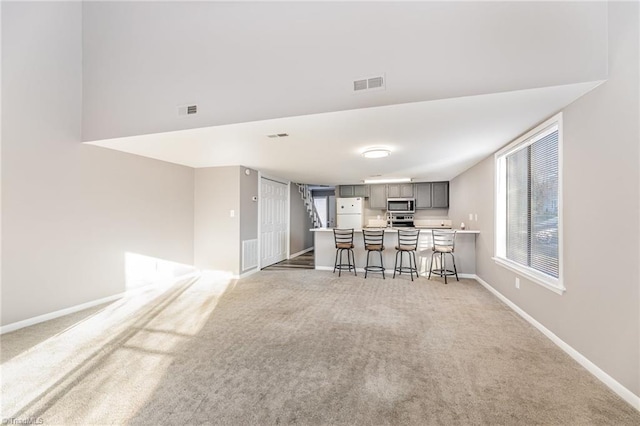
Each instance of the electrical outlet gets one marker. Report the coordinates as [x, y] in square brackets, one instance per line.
[470, 216]
[476, 217]
[517, 282]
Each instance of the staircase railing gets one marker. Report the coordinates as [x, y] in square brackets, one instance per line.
[307, 198]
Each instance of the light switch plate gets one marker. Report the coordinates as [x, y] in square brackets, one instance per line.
[470, 216]
[232, 213]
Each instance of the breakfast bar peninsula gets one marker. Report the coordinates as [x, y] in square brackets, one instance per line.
[465, 251]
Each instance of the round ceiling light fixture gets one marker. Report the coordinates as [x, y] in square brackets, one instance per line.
[376, 153]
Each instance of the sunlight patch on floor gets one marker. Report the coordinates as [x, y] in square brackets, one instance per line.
[115, 358]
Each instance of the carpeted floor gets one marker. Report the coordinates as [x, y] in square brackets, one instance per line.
[302, 347]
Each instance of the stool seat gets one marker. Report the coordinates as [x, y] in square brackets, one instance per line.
[444, 249]
[344, 245]
[374, 247]
[406, 248]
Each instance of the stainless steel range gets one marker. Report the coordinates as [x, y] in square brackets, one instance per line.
[398, 220]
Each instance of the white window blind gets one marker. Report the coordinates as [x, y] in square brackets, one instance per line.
[532, 205]
[528, 179]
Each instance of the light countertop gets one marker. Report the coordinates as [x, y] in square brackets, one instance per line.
[458, 231]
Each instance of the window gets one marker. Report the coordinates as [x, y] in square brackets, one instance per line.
[528, 205]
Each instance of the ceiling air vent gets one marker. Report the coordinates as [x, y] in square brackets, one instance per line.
[360, 85]
[185, 110]
[278, 135]
[369, 83]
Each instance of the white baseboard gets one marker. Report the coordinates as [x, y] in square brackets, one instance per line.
[77, 308]
[245, 274]
[612, 383]
[301, 252]
[60, 313]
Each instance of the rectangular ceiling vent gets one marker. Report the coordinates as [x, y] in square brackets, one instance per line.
[185, 110]
[278, 135]
[369, 83]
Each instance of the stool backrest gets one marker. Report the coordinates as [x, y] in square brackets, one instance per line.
[373, 237]
[408, 238]
[342, 236]
[443, 239]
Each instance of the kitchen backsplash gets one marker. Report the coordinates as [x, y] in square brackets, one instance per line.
[419, 214]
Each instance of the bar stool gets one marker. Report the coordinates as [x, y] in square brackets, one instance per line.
[444, 242]
[344, 241]
[407, 243]
[373, 241]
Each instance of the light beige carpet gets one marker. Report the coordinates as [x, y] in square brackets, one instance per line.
[302, 347]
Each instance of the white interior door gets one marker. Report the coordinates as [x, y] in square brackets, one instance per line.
[273, 222]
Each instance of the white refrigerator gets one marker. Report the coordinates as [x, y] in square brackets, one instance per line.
[349, 212]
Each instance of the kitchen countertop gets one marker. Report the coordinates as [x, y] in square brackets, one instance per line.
[458, 231]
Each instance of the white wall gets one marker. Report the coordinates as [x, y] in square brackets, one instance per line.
[70, 212]
[143, 59]
[217, 234]
[599, 314]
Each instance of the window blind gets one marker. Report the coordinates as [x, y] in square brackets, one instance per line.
[532, 203]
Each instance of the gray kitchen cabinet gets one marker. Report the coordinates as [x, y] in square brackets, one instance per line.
[423, 195]
[347, 191]
[361, 190]
[439, 195]
[400, 190]
[378, 197]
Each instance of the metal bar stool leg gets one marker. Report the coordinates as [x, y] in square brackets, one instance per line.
[366, 268]
[444, 266]
[410, 267]
[455, 270]
[353, 257]
[395, 265]
[382, 264]
[415, 264]
[431, 265]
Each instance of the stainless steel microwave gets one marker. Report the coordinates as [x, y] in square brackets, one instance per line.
[401, 205]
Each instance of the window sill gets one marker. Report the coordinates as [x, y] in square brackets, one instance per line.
[532, 275]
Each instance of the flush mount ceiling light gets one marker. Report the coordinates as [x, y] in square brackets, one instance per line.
[376, 153]
[388, 180]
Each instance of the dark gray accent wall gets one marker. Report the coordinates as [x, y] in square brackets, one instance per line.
[599, 314]
[300, 237]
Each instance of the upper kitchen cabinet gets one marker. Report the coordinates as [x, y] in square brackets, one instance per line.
[378, 197]
[400, 190]
[423, 195]
[439, 195]
[346, 191]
